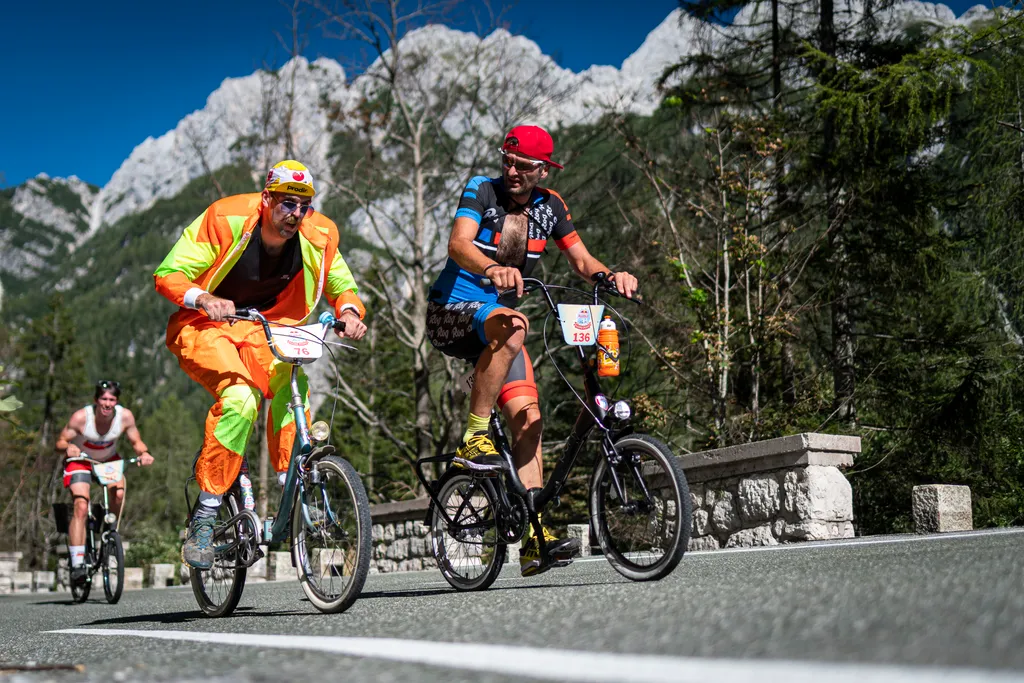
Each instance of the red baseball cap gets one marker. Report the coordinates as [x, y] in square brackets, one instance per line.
[532, 141]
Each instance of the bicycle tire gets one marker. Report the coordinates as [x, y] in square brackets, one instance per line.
[113, 549]
[351, 522]
[668, 522]
[460, 559]
[229, 581]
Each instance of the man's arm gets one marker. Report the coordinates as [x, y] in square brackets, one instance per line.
[343, 293]
[131, 432]
[74, 426]
[193, 253]
[586, 266]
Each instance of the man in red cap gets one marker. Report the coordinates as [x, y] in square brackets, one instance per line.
[501, 228]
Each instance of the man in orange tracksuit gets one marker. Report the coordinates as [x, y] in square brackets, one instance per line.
[270, 251]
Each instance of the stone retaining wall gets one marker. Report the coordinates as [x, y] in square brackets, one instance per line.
[770, 492]
[401, 541]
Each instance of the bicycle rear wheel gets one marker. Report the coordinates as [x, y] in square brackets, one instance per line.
[469, 554]
[219, 588]
[642, 540]
[80, 591]
[331, 535]
[112, 566]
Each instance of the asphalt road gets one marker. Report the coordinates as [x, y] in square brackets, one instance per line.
[945, 608]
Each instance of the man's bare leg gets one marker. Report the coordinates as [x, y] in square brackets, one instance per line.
[116, 497]
[80, 502]
[523, 417]
[507, 331]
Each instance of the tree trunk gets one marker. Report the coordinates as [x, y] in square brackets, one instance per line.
[843, 368]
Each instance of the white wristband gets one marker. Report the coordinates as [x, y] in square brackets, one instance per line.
[348, 307]
[191, 296]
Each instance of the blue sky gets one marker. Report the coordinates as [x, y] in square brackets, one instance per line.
[88, 81]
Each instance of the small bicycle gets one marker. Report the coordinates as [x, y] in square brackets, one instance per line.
[323, 507]
[639, 500]
[103, 548]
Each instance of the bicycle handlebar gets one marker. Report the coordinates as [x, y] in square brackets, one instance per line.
[85, 458]
[252, 315]
[602, 284]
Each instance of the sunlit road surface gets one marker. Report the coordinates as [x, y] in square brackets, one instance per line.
[937, 608]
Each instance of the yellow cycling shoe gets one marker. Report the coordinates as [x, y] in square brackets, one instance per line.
[478, 454]
[558, 551]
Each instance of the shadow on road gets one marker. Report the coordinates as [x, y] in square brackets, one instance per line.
[428, 592]
[185, 617]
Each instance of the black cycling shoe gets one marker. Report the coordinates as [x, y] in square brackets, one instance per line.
[79, 575]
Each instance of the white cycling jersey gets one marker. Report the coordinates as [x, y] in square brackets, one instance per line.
[98, 446]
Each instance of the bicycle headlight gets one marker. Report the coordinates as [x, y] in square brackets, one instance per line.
[110, 518]
[319, 431]
[621, 410]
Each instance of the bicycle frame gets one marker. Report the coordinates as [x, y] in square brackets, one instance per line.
[591, 416]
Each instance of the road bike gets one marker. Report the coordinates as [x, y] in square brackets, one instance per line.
[323, 509]
[639, 501]
[104, 551]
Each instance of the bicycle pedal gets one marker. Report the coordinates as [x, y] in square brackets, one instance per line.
[476, 468]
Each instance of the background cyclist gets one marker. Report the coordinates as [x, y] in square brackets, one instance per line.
[93, 431]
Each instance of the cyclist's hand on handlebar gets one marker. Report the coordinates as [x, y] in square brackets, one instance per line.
[72, 451]
[145, 459]
[216, 308]
[625, 283]
[506, 277]
[354, 327]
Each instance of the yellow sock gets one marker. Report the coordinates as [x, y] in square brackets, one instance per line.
[474, 425]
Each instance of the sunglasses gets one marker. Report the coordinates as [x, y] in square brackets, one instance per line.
[289, 207]
[108, 384]
[522, 165]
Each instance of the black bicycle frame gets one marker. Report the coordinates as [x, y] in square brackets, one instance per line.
[591, 416]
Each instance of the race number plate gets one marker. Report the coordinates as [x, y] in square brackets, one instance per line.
[579, 323]
[108, 473]
[303, 343]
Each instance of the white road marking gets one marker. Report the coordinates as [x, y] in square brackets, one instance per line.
[575, 665]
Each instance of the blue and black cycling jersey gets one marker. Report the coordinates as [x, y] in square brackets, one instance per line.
[485, 201]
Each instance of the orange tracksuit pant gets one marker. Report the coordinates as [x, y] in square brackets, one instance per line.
[235, 364]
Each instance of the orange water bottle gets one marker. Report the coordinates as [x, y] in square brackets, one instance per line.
[607, 348]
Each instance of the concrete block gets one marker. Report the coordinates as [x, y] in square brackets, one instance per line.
[581, 532]
[6, 585]
[279, 567]
[258, 571]
[161, 575]
[21, 582]
[333, 563]
[512, 556]
[43, 582]
[940, 508]
[133, 577]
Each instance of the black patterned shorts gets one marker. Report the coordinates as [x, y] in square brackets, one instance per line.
[457, 329]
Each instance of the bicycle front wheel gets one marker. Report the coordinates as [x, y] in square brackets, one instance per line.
[468, 551]
[112, 565]
[643, 535]
[219, 588]
[331, 535]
